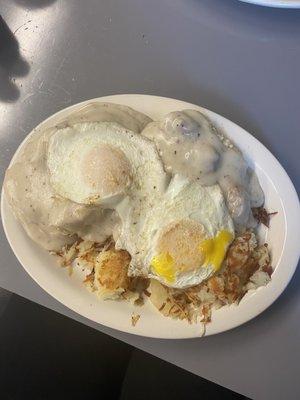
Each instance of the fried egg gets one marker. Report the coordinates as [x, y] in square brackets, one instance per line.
[101, 163]
[182, 240]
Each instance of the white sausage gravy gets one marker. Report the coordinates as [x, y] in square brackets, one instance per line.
[190, 145]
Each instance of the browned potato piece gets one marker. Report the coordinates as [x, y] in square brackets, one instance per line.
[111, 269]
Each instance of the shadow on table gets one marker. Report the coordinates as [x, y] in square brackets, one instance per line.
[34, 3]
[12, 65]
[44, 355]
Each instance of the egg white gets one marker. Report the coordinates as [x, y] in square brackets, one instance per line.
[68, 160]
[183, 200]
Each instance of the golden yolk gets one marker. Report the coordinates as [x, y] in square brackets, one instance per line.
[163, 265]
[215, 249]
[178, 249]
[189, 254]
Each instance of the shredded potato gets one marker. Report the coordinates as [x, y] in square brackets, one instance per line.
[246, 267]
[134, 319]
[107, 271]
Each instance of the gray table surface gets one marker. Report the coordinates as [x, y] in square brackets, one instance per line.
[240, 60]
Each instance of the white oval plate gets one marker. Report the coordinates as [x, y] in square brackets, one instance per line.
[275, 3]
[283, 238]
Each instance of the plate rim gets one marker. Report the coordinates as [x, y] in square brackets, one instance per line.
[116, 98]
[274, 3]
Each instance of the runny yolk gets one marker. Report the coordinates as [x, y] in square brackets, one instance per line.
[215, 249]
[163, 265]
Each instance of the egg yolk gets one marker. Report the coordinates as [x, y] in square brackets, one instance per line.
[211, 252]
[215, 249]
[163, 265]
[177, 249]
[106, 169]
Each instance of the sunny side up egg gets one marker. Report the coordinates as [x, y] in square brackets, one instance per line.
[182, 240]
[101, 163]
[176, 231]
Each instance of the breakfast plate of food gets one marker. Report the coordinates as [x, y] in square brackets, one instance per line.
[152, 216]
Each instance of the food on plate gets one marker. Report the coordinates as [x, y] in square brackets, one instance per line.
[190, 144]
[161, 211]
[261, 215]
[50, 219]
[247, 266]
[101, 163]
[182, 239]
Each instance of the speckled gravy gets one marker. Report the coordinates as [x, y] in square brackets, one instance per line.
[190, 145]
